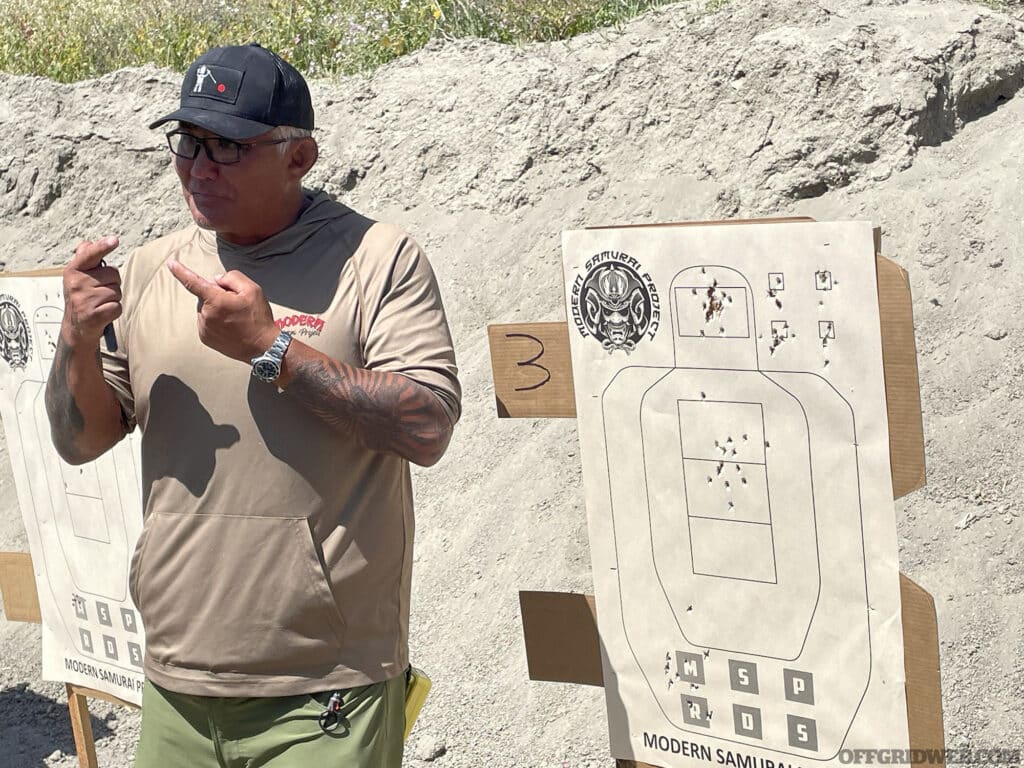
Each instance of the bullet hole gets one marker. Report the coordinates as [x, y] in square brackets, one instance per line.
[727, 486]
[746, 437]
[689, 609]
[714, 305]
[767, 444]
[703, 395]
[719, 468]
[778, 303]
[693, 291]
[743, 480]
[710, 480]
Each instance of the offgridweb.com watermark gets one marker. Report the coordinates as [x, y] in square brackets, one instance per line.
[954, 756]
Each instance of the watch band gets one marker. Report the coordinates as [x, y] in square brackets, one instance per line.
[267, 367]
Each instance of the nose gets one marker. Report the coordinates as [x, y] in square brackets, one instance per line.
[202, 166]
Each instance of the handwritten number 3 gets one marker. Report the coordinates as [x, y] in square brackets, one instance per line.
[532, 362]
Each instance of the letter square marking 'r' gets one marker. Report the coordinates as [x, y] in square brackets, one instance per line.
[695, 710]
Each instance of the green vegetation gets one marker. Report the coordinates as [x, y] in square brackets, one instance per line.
[75, 39]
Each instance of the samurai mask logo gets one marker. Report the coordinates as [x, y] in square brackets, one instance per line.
[15, 341]
[615, 303]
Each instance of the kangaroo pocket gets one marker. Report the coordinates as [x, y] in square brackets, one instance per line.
[237, 594]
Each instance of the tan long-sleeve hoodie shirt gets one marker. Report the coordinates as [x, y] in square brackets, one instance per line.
[276, 553]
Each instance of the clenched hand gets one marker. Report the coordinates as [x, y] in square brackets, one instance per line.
[92, 293]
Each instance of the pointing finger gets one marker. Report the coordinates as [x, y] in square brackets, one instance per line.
[233, 281]
[195, 284]
[89, 254]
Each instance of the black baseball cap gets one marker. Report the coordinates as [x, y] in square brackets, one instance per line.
[241, 91]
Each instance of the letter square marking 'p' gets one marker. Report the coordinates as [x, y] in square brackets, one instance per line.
[690, 667]
[695, 711]
[799, 686]
[128, 619]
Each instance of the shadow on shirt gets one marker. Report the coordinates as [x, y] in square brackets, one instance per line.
[175, 408]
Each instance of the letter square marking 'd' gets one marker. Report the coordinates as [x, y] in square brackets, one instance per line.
[746, 721]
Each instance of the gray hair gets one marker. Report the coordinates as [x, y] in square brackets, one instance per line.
[288, 132]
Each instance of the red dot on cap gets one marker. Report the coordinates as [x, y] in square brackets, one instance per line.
[222, 87]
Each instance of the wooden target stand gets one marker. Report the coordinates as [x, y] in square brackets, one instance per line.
[21, 603]
[533, 378]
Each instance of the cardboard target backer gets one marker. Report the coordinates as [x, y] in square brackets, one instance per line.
[732, 415]
[82, 521]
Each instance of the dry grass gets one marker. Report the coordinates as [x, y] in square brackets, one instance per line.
[71, 40]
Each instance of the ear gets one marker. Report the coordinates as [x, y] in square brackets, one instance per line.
[302, 156]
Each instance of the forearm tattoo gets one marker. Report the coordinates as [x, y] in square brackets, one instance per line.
[66, 420]
[387, 412]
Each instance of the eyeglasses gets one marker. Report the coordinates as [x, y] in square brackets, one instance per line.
[218, 150]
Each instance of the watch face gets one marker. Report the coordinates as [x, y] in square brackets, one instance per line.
[266, 370]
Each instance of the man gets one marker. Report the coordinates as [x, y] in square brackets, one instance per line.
[273, 571]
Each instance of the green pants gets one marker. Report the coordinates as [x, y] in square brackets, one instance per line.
[181, 731]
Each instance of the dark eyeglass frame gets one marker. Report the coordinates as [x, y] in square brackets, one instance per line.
[202, 141]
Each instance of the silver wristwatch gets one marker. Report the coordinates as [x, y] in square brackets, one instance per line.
[267, 367]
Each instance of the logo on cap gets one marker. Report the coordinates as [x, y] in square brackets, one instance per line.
[201, 75]
[221, 83]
